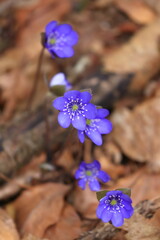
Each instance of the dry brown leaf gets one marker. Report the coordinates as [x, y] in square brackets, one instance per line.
[101, 3]
[31, 21]
[142, 225]
[137, 10]
[41, 207]
[67, 228]
[107, 165]
[140, 55]
[154, 4]
[66, 159]
[137, 132]
[31, 237]
[85, 202]
[7, 227]
[144, 185]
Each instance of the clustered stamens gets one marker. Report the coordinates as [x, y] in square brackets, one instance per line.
[74, 107]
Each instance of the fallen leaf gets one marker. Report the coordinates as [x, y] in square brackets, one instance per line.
[140, 55]
[85, 202]
[41, 207]
[106, 160]
[143, 183]
[66, 159]
[30, 22]
[67, 228]
[31, 237]
[137, 132]
[137, 10]
[7, 227]
[154, 4]
[142, 224]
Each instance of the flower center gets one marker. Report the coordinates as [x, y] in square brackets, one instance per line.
[88, 121]
[88, 173]
[74, 107]
[113, 202]
[52, 41]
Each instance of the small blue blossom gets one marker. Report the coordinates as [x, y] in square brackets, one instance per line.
[88, 173]
[114, 207]
[59, 39]
[95, 127]
[74, 108]
[60, 79]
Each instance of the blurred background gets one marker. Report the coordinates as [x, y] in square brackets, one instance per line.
[118, 58]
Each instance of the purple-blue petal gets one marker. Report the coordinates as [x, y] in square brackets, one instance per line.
[64, 29]
[72, 38]
[90, 111]
[78, 174]
[79, 122]
[82, 165]
[114, 192]
[58, 79]
[58, 51]
[97, 164]
[67, 51]
[102, 113]
[127, 205]
[59, 103]
[50, 26]
[94, 185]
[126, 198]
[99, 210]
[106, 215]
[81, 136]
[72, 94]
[103, 176]
[95, 136]
[117, 219]
[64, 119]
[127, 213]
[104, 126]
[102, 200]
[82, 183]
[85, 96]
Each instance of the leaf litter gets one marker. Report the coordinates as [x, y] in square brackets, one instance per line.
[53, 207]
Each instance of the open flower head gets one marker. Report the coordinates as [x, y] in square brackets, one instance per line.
[91, 173]
[60, 80]
[114, 207]
[95, 127]
[74, 108]
[59, 39]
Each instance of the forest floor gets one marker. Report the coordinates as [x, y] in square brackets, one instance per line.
[118, 58]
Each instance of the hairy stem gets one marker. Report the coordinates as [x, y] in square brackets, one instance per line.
[35, 83]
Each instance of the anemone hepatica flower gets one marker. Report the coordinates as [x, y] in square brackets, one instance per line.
[74, 108]
[95, 127]
[88, 173]
[114, 207]
[59, 39]
[60, 79]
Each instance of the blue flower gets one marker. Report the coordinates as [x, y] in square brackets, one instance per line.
[88, 173]
[114, 207]
[59, 39]
[74, 108]
[95, 127]
[60, 79]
